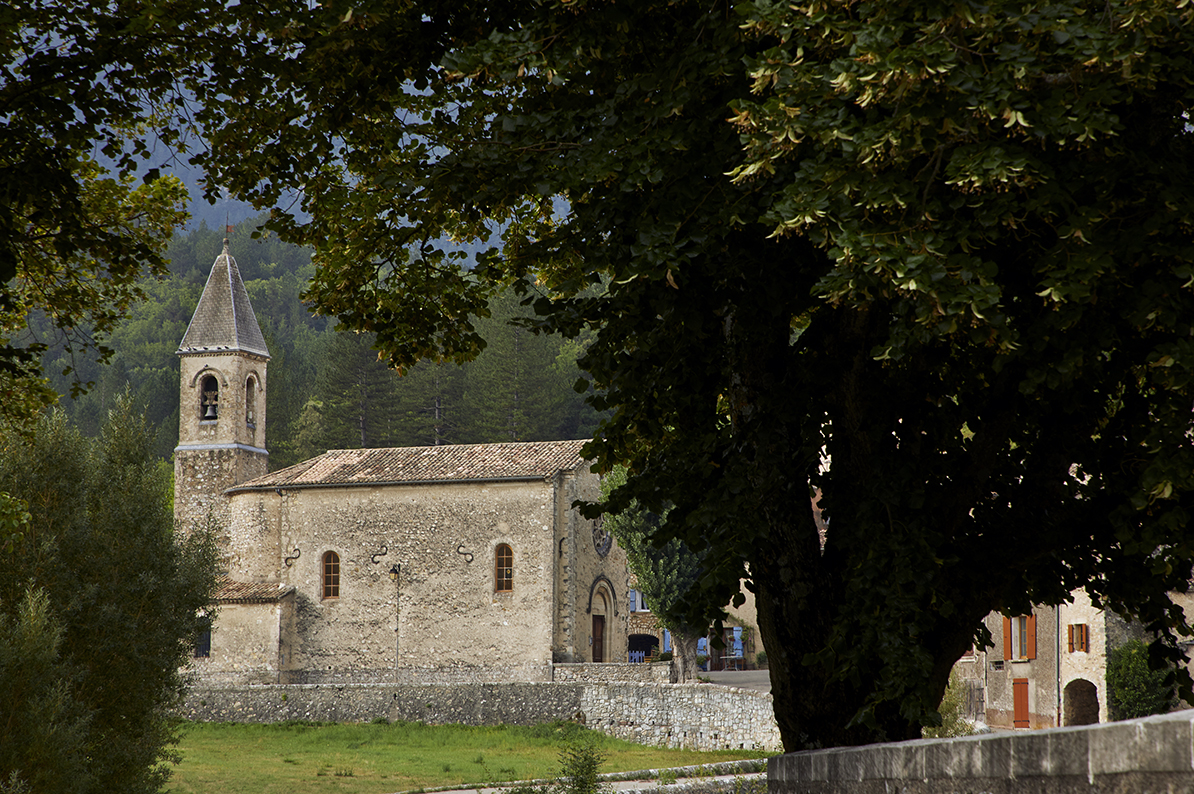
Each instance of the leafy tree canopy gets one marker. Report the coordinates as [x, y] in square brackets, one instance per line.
[931, 258]
[937, 262]
[665, 573]
[80, 80]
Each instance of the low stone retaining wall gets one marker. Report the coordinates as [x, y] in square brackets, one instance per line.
[612, 672]
[1155, 754]
[700, 716]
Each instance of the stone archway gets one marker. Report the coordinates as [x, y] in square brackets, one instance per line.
[1081, 703]
[599, 608]
[640, 646]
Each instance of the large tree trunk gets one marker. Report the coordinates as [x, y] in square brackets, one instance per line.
[684, 657]
[815, 616]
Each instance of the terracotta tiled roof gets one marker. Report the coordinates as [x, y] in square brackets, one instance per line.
[230, 592]
[533, 460]
[224, 318]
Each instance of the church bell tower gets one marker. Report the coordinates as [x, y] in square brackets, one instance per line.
[221, 417]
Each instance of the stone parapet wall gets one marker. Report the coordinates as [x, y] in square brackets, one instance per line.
[698, 716]
[613, 672]
[1146, 755]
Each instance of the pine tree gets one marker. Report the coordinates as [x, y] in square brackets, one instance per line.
[428, 405]
[357, 392]
[514, 390]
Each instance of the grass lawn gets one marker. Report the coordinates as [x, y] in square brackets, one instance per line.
[296, 758]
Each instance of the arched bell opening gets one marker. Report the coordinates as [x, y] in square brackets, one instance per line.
[251, 400]
[209, 398]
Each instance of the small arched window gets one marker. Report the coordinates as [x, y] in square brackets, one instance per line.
[503, 569]
[331, 575]
[250, 399]
[209, 398]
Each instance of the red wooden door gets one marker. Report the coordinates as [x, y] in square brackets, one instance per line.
[1020, 702]
[599, 638]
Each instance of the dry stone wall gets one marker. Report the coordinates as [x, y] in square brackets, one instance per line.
[613, 672]
[698, 716]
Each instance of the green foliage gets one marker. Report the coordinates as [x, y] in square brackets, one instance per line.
[948, 282]
[951, 710]
[580, 763]
[99, 607]
[80, 289]
[665, 574]
[952, 263]
[1135, 688]
[327, 389]
[45, 738]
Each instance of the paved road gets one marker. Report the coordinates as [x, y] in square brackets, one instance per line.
[746, 679]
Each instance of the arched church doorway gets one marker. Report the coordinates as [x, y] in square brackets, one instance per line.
[600, 608]
[1081, 703]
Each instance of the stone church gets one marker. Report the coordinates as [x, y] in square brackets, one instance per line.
[423, 564]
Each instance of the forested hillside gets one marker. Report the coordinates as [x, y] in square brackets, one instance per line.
[327, 390]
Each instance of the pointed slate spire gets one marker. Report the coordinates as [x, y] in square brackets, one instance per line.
[224, 318]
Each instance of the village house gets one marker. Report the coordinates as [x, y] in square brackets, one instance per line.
[1047, 668]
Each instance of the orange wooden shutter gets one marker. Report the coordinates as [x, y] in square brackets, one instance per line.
[1020, 702]
[1032, 636]
[1007, 639]
[1071, 632]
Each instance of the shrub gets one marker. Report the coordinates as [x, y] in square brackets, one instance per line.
[580, 761]
[761, 659]
[100, 605]
[1134, 689]
[953, 721]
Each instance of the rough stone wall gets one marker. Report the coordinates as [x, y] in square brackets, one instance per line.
[588, 582]
[616, 672]
[1041, 673]
[248, 643]
[1088, 666]
[698, 716]
[444, 538]
[208, 460]
[1138, 756]
[683, 715]
[233, 425]
[645, 623]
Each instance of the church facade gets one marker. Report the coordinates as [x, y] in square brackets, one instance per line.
[425, 564]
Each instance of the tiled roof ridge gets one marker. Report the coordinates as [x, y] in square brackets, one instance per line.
[224, 318]
[526, 460]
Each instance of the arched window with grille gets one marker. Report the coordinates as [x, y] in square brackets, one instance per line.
[331, 575]
[503, 569]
